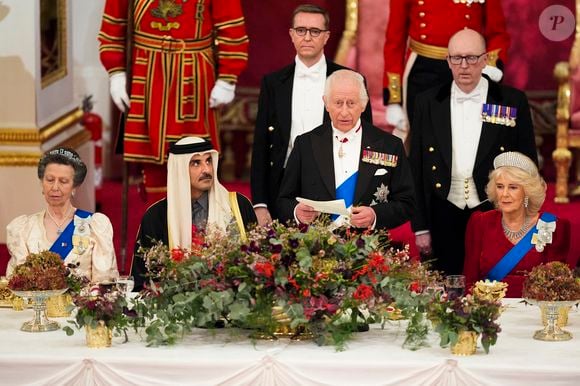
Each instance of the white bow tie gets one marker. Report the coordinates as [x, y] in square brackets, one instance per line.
[475, 97]
[306, 73]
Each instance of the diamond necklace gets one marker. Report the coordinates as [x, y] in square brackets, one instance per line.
[515, 235]
[59, 225]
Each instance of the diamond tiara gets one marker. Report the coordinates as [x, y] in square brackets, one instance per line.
[65, 153]
[517, 160]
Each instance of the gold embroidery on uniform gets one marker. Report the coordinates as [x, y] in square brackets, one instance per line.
[167, 27]
[199, 10]
[166, 9]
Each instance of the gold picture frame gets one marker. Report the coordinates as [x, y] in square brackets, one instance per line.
[53, 42]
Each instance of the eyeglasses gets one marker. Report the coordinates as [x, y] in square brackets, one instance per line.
[470, 59]
[314, 32]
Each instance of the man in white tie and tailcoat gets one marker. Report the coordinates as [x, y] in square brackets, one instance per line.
[457, 131]
[350, 159]
[290, 104]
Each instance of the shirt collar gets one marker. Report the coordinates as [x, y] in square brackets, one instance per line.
[479, 89]
[349, 134]
[203, 200]
[317, 67]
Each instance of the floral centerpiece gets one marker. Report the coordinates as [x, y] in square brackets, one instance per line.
[553, 287]
[42, 276]
[321, 281]
[41, 271]
[553, 281]
[100, 306]
[477, 315]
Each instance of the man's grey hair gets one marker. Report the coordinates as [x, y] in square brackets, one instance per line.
[347, 76]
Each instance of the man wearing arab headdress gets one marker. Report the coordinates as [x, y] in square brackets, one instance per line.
[195, 198]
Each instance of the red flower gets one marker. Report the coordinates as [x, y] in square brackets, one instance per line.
[197, 237]
[293, 282]
[363, 292]
[320, 276]
[306, 292]
[415, 287]
[177, 255]
[378, 262]
[361, 272]
[264, 269]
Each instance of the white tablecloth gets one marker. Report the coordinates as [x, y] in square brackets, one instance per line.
[220, 358]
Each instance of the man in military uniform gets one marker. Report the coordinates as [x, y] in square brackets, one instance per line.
[290, 104]
[427, 26]
[173, 90]
[458, 130]
[348, 158]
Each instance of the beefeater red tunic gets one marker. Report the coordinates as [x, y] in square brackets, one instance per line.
[174, 67]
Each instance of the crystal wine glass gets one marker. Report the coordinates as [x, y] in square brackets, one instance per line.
[125, 284]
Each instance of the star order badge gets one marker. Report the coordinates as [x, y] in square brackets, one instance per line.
[381, 195]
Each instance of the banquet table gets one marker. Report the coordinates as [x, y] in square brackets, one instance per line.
[228, 357]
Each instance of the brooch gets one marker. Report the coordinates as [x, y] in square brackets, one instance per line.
[381, 195]
[544, 234]
[81, 235]
[377, 158]
[500, 115]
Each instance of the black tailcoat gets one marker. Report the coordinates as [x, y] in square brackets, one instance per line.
[431, 152]
[310, 174]
[272, 133]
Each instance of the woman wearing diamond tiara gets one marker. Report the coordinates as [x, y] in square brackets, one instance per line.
[506, 243]
[83, 239]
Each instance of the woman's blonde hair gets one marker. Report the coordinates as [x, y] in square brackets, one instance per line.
[533, 184]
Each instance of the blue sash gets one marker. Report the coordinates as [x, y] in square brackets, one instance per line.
[346, 192]
[63, 244]
[514, 255]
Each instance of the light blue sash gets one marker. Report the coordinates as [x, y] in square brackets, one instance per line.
[63, 244]
[516, 254]
[346, 192]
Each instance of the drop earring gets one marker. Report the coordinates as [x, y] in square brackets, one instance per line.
[526, 202]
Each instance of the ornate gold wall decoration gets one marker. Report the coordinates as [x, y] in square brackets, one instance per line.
[32, 136]
[37, 137]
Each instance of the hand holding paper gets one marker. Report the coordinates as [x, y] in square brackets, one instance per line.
[305, 214]
[331, 207]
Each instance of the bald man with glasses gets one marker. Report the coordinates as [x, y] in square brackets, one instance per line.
[457, 131]
[291, 104]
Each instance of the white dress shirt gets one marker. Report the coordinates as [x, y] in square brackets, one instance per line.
[346, 155]
[348, 145]
[466, 126]
[307, 104]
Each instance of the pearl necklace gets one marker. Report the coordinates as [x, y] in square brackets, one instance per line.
[59, 229]
[515, 235]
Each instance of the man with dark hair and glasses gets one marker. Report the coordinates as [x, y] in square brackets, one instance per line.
[290, 105]
[457, 131]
